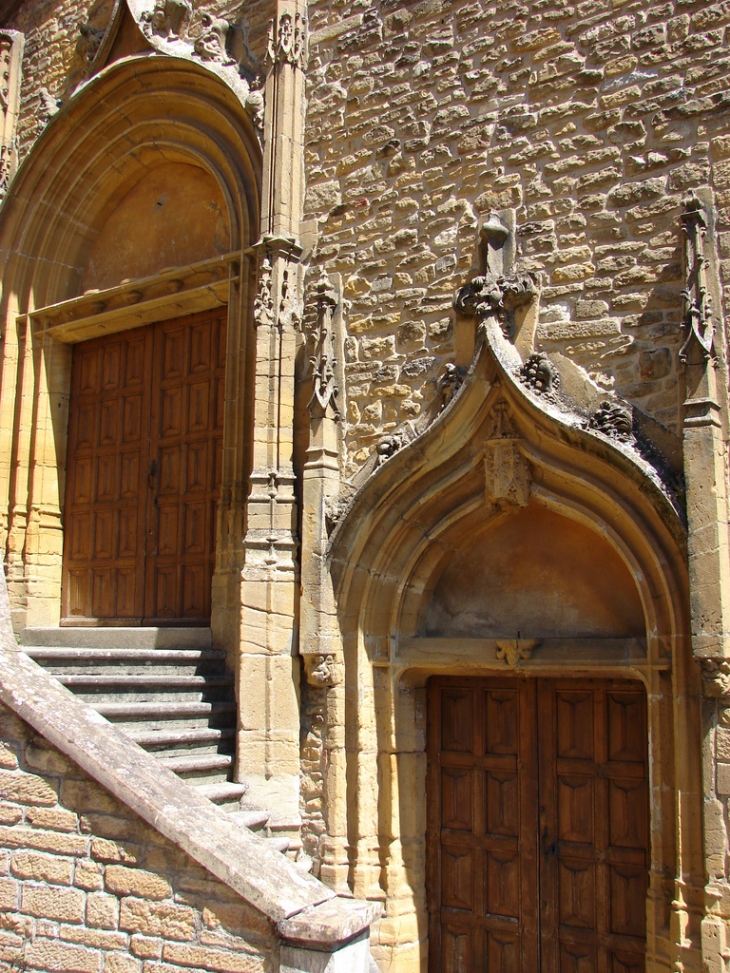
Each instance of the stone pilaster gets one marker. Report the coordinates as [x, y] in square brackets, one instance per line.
[704, 431]
[320, 643]
[268, 677]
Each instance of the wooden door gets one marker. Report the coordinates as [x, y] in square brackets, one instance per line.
[144, 470]
[538, 826]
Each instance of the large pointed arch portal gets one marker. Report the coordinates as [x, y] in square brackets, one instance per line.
[516, 675]
[137, 208]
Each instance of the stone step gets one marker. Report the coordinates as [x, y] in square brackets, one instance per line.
[78, 637]
[153, 738]
[254, 820]
[225, 793]
[131, 661]
[198, 763]
[279, 844]
[156, 711]
[139, 683]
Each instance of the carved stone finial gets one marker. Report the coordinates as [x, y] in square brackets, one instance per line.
[289, 41]
[449, 382]
[89, 41]
[513, 651]
[613, 419]
[716, 676]
[499, 297]
[211, 44]
[493, 237]
[323, 361]
[540, 374]
[698, 305]
[263, 306]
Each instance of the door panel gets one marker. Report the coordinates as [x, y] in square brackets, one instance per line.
[484, 825]
[538, 825]
[145, 437]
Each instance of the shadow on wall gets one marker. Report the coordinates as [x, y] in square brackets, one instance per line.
[541, 573]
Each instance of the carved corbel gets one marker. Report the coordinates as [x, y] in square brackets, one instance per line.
[323, 669]
[506, 471]
[715, 676]
[698, 305]
[323, 360]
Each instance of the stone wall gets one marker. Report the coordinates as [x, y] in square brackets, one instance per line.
[88, 887]
[590, 120]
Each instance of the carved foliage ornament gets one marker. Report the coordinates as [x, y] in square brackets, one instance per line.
[449, 383]
[263, 306]
[614, 420]
[698, 306]
[513, 651]
[89, 41]
[540, 374]
[497, 296]
[323, 361]
[168, 19]
[289, 41]
[211, 44]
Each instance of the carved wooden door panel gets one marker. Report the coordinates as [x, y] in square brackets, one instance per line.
[143, 473]
[186, 440]
[595, 825]
[538, 826]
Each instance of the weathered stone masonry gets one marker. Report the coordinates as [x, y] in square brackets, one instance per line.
[591, 121]
[87, 887]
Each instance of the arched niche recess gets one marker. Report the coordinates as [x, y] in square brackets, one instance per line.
[153, 139]
[505, 521]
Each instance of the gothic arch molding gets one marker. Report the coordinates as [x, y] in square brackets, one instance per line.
[400, 534]
[138, 115]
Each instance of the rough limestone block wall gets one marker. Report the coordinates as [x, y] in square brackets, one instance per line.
[87, 887]
[591, 120]
[55, 60]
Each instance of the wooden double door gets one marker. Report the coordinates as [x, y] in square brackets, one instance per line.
[538, 826]
[144, 473]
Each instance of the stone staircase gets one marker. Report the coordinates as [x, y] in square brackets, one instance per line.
[170, 692]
